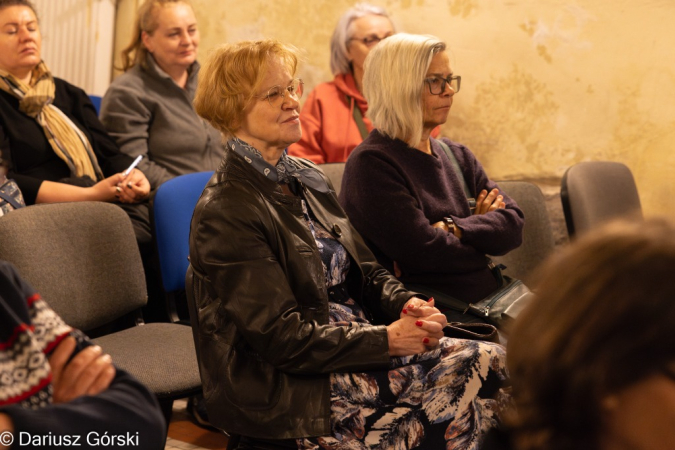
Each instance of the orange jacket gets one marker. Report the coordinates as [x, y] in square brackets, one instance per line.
[329, 132]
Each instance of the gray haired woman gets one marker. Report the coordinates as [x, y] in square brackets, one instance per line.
[333, 117]
[148, 109]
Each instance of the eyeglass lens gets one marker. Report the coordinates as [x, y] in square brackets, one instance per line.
[437, 85]
[277, 94]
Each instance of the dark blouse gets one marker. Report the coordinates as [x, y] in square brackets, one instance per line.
[392, 194]
[32, 160]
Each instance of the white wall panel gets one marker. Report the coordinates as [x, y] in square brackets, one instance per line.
[77, 41]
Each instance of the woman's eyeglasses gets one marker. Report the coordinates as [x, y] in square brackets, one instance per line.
[277, 94]
[437, 84]
[370, 40]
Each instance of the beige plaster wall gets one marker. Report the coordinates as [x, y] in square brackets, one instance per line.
[545, 83]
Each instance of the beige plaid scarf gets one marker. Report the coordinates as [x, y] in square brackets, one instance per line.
[67, 140]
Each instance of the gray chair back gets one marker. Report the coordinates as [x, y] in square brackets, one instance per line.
[81, 257]
[597, 191]
[538, 242]
[334, 172]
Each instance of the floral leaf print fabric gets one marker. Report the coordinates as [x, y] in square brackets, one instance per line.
[447, 398]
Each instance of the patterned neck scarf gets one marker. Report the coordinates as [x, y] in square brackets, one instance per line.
[285, 172]
[66, 139]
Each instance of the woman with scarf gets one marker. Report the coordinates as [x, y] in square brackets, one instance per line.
[304, 340]
[50, 136]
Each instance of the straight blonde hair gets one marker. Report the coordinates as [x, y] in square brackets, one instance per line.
[230, 77]
[393, 83]
[146, 20]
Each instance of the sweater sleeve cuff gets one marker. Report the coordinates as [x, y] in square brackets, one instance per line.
[29, 186]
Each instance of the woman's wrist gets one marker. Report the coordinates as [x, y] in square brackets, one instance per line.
[452, 227]
[448, 225]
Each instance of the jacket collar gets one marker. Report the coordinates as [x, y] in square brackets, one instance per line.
[233, 166]
[153, 69]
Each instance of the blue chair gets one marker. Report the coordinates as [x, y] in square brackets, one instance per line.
[96, 100]
[173, 205]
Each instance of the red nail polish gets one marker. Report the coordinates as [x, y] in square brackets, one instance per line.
[405, 311]
[431, 299]
[419, 323]
[425, 340]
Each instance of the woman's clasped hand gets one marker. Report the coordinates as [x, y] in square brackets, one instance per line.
[419, 328]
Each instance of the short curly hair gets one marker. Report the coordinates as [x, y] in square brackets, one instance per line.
[230, 77]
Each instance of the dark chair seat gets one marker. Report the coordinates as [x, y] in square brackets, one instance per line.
[164, 353]
[538, 242]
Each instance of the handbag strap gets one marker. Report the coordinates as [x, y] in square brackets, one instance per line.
[475, 331]
[455, 166]
[358, 118]
[496, 269]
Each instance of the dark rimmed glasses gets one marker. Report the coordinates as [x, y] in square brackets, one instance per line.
[437, 84]
[277, 94]
[370, 40]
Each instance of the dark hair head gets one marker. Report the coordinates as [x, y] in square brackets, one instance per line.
[602, 321]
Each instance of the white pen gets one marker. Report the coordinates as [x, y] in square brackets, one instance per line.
[131, 167]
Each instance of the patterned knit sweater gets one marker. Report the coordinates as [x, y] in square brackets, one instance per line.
[29, 332]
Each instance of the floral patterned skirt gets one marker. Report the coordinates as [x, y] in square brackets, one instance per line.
[447, 398]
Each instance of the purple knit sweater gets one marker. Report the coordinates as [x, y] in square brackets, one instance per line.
[393, 193]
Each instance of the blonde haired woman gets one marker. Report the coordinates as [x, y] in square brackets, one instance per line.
[403, 194]
[148, 109]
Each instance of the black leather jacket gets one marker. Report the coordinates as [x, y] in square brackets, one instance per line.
[265, 346]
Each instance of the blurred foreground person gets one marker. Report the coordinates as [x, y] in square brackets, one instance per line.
[592, 360]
